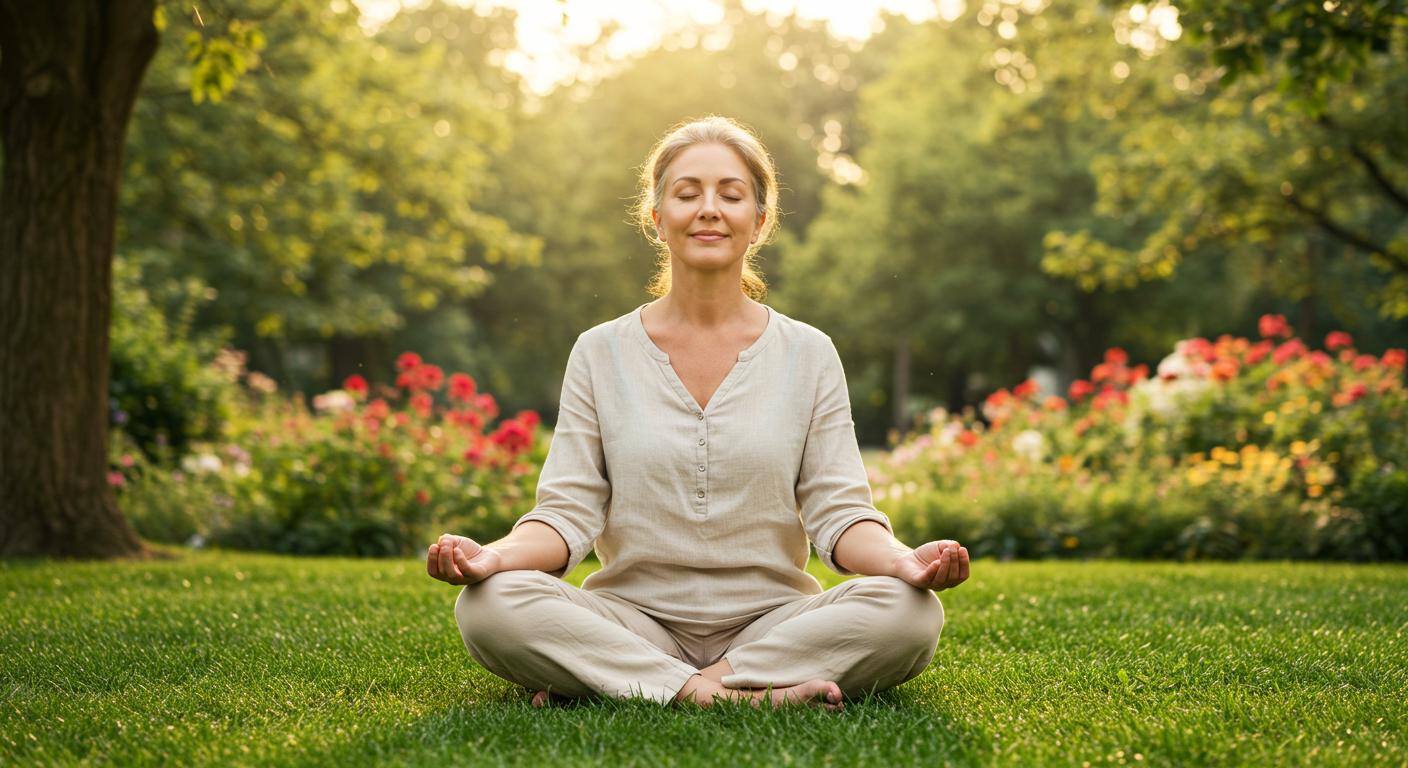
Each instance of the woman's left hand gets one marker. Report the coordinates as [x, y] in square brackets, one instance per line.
[938, 565]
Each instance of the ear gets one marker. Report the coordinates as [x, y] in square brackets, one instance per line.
[655, 218]
[758, 230]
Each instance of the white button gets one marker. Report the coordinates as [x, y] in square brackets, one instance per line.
[701, 417]
[701, 441]
[701, 494]
[701, 467]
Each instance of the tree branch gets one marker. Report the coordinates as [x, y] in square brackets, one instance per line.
[1346, 236]
[1377, 175]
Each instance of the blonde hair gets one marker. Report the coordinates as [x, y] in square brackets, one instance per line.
[724, 132]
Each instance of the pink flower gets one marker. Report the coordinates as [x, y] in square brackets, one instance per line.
[530, 419]
[408, 361]
[115, 479]
[1287, 352]
[1274, 326]
[127, 460]
[1364, 362]
[422, 403]
[378, 409]
[485, 403]
[430, 377]
[1350, 395]
[1338, 340]
[1259, 351]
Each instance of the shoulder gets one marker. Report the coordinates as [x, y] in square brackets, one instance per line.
[803, 342]
[606, 336]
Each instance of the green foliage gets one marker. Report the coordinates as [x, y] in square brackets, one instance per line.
[1234, 450]
[165, 392]
[364, 479]
[1314, 44]
[216, 63]
[220, 659]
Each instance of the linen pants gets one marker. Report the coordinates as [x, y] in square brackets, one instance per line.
[536, 630]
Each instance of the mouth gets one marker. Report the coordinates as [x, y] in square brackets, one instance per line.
[708, 235]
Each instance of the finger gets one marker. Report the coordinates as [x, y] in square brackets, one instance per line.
[941, 572]
[963, 568]
[432, 561]
[462, 563]
[447, 556]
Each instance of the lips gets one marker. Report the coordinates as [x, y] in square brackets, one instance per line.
[708, 235]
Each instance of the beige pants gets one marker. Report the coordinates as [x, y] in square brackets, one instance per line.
[538, 631]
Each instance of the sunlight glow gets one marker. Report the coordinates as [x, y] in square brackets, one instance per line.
[551, 33]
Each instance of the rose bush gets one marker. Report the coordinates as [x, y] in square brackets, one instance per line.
[1230, 449]
[364, 471]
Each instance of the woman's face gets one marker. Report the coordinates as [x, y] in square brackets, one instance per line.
[709, 215]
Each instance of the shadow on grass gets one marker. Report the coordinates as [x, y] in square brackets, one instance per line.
[893, 728]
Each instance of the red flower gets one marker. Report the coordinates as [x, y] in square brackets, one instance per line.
[430, 377]
[422, 497]
[1274, 326]
[1259, 351]
[1365, 362]
[998, 398]
[471, 419]
[1054, 403]
[529, 418]
[1101, 372]
[384, 449]
[408, 379]
[968, 437]
[1080, 389]
[1224, 369]
[475, 455]
[356, 386]
[461, 387]
[513, 436]
[1338, 340]
[486, 405]
[1026, 389]
[1084, 425]
[1287, 352]
[1139, 373]
[422, 403]
[1395, 358]
[403, 419]
[1116, 356]
[1348, 396]
[408, 361]
[378, 409]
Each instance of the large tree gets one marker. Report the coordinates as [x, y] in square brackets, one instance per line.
[70, 72]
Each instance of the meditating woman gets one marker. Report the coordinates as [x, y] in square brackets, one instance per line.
[701, 441]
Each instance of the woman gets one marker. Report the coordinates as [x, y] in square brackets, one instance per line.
[702, 440]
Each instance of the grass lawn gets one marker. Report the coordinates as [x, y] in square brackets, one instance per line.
[232, 659]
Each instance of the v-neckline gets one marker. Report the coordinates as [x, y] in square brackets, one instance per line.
[724, 386]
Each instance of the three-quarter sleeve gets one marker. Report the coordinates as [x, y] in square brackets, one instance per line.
[573, 488]
[833, 492]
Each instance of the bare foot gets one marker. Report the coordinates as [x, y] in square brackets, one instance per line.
[540, 699]
[704, 691]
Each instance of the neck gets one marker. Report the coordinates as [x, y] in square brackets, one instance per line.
[706, 299]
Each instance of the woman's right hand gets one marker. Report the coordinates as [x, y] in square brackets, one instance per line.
[460, 560]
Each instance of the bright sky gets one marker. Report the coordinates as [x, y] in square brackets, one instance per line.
[547, 30]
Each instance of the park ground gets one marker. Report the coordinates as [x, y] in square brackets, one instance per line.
[235, 659]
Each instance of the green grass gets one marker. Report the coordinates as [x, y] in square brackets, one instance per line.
[222, 659]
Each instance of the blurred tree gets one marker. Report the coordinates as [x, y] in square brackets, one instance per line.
[334, 192]
[69, 75]
[1305, 183]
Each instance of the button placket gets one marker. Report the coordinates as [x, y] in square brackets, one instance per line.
[701, 453]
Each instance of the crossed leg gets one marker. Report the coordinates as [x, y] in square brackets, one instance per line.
[535, 630]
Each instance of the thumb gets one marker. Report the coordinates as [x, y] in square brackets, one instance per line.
[928, 553]
[469, 547]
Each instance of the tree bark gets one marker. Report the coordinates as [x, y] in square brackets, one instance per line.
[901, 386]
[70, 71]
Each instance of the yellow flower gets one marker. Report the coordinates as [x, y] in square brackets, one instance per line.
[1298, 448]
[1269, 418]
[1288, 407]
[1314, 491]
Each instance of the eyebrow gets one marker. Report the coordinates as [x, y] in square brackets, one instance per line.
[693, 180]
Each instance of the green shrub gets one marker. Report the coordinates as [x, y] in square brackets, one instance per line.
[1233, 450]
[164, 390]
[350, 477]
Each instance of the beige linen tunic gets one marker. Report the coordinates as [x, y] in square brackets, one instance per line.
[702, 516]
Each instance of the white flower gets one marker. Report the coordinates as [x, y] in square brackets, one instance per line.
[336, 400]
[1030, 445]
[205, 463]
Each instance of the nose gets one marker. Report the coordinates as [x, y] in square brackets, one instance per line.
[709, 208]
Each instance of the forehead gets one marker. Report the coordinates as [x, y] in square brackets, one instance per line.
[707, 162]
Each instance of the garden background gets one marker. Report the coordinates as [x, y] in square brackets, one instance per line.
[1109, 281]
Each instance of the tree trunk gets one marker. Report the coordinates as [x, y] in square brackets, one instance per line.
[901, 386]
[70, 72]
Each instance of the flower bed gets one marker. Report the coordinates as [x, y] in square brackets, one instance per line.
[1230, 449]
[361, 472]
